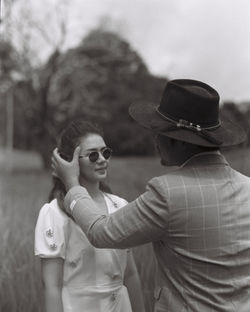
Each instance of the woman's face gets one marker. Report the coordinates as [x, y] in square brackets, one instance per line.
[92, 171]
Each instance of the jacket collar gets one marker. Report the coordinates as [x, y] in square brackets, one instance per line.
[205, 159]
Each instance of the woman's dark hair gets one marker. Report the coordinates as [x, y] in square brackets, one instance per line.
[68, 141]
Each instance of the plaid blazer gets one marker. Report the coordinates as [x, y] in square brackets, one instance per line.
[198, 219]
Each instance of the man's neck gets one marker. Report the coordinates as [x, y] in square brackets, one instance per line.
[202, 153]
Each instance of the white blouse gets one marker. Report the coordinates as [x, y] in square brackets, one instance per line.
[93, 277]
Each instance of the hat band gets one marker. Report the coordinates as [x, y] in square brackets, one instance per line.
[181, 123]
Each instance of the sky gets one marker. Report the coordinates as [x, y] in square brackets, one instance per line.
[207, 40]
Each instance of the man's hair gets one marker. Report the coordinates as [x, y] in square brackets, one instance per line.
[165, 139]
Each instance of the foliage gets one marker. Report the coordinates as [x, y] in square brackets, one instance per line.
[10, 71]
[97, 80]
[8, 58]
[234, 113]
[25, 99]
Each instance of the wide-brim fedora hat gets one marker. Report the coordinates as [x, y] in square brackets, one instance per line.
[189, 112]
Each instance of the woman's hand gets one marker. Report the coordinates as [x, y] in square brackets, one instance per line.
[67, 172]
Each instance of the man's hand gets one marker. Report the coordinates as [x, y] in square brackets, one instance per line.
[67, 172]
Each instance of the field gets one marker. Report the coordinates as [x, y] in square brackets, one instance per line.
[23, 191]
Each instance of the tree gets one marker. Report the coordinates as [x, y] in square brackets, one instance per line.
[232, 112]
[98, 80]
[21, 27]
[10, 72]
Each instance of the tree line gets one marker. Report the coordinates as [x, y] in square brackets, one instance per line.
[96, 80]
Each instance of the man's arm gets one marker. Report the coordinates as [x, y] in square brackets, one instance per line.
[142, 221]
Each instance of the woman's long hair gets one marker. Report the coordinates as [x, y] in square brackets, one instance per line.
[69, 139]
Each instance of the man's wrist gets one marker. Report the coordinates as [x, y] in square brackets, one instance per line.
[71, 183]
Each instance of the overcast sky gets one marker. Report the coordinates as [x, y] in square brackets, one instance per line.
[208, 40]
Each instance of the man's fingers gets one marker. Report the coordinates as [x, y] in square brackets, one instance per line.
[55, 154]
[76, 153]
[53, 171]
[53, 168]
[57, 159]
[54, 174]
[53, 161]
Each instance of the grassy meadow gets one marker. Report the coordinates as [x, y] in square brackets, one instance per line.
[24, 188]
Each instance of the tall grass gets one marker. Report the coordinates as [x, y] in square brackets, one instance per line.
[22, 193]
[20, 286]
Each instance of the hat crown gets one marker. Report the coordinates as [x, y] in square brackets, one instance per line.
[190, 100]
[188, 112]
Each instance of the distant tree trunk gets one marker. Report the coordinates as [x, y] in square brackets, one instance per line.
[44, 139]
[45, 148]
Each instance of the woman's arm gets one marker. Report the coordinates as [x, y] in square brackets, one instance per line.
[52, 275]
[133, 284]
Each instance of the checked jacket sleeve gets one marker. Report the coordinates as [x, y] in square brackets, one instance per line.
[141, 221]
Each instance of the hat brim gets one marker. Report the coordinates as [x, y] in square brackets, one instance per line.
[145, 114]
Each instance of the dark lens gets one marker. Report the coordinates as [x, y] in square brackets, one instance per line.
[93, 156]
[107, 153]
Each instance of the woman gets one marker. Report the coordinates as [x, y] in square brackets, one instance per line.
[76, 275]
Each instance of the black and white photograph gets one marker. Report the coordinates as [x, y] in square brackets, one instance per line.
[124, 156]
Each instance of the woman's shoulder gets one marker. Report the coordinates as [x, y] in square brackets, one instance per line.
[51, 231]
[52, 209]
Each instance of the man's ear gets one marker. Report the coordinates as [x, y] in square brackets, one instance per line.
[184, 146]
[174, 142]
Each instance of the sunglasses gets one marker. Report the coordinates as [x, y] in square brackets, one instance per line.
[94, 156]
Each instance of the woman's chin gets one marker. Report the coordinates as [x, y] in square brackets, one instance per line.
[102, 175]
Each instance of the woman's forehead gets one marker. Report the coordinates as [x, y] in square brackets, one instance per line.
[92, 141]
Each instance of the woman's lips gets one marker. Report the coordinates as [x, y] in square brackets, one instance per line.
[101, 169]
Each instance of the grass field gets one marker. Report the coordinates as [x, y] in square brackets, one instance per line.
[23, 192]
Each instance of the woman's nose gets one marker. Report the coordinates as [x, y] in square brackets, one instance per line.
[101, 158]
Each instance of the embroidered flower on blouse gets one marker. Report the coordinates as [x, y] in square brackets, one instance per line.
[49, 233]
[53, 246]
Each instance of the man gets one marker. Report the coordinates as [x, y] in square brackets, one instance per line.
[197, 216]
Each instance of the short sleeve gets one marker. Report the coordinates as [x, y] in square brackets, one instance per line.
[51, 232]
